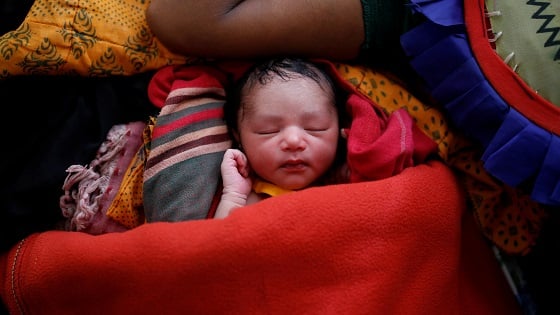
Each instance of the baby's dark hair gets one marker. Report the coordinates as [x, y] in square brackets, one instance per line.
[286, 68]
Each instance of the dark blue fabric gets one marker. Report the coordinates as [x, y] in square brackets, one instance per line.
[444, 13]
[516, 151]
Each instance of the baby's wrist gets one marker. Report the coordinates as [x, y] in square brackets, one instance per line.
[234, 197]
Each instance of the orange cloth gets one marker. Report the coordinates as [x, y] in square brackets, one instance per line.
[262, 187]
[401, 245]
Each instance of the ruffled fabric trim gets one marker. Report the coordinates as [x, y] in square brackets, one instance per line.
[517, 150]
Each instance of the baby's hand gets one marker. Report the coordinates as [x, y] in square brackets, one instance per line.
[236, 182]
[235, 173]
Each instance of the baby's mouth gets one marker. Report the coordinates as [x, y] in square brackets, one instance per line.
[295, 165]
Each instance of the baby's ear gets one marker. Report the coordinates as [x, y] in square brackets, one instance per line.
[344, 133]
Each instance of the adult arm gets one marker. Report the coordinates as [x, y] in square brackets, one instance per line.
[252, 28]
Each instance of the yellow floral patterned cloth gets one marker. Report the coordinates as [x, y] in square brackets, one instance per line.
[93, 38]
[127, 208]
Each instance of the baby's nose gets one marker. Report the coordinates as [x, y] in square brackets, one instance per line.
[293, 138]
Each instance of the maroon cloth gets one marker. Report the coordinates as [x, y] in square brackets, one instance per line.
[380, 145]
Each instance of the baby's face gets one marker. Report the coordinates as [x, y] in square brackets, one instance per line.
[289, 131]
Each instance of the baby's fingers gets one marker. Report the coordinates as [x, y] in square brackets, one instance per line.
[242, 164]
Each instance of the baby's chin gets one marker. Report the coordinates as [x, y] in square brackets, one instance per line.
[295, 185]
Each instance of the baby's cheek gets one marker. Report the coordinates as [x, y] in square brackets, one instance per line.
[262, 161]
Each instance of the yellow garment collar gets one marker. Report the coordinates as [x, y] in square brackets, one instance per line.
[262, 187]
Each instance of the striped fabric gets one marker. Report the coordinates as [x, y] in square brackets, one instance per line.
[189, 138]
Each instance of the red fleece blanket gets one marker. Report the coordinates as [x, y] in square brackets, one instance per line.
[401, 245]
